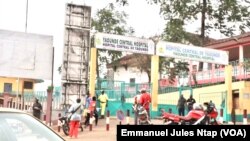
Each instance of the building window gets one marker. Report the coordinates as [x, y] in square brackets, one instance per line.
[7, 87]
[132, 81]
[194, 68]
[209, 66]
[200, 66]
[28, 85]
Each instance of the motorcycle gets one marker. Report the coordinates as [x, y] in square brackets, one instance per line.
[65, 120]
[194, 117]
[143, 116]
[211, 113]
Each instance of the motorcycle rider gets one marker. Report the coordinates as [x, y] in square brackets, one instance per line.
[198, 115]
[211, 111]
[135, 106]
[211, 105]
[195, 114]
[145, 100]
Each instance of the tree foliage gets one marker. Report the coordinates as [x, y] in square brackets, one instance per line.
[246, 64]
[172, 68]
[226, 16]
[144, 64]
[109, 20]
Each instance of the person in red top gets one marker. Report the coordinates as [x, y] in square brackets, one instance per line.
[91, 108]
[145, 100]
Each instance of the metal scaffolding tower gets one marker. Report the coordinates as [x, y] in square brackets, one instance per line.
[76, 51]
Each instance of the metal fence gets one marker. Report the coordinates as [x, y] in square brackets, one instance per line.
[26, 100]
[120, 94]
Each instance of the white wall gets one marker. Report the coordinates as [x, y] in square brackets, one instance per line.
[141, 77]
[25, 55]
[121, 74]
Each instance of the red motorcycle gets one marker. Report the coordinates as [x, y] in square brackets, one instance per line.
[197, 116]
[211, 113]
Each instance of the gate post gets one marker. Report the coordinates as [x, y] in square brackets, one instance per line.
[228, 85]
[93, 55]
[154, 81]
[245, 117]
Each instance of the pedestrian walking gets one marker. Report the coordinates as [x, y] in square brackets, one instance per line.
[181, 105]
[103, 98]
[37, 109]
[190, 102]
[75, 119]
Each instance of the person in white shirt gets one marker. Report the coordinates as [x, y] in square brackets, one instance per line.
[75, 118]
[135, 106]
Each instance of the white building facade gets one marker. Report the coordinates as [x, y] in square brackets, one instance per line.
[129, 75]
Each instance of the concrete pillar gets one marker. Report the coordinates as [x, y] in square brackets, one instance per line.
[190, 73]
[49, 107]
[221, 116]
[107, 120]
[213, 73]
[228, 85]
[241, 54]
[154, 81]
[241, 60]
[245, 117]
[93, 57]
[128, 116]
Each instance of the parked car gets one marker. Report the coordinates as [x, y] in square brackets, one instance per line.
[16, 125]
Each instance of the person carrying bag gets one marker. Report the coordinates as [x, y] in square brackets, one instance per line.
[75, 118]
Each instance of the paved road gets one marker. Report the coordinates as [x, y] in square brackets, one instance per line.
[99, 132]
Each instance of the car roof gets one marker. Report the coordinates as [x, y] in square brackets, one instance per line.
[10, 110]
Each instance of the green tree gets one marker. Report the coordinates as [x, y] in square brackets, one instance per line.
[227, 16]
[173, 68]
[109, 20]
[180, 68]
[144, 64]
[246, 64]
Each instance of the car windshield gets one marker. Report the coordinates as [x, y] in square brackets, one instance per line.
[23, 127]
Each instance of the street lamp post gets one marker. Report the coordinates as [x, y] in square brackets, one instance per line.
[26, 20]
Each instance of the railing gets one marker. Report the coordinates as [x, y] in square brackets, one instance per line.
[27, 99]
[210, 77]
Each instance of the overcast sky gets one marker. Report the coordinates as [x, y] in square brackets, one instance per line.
[47, 17]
